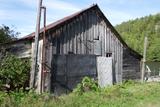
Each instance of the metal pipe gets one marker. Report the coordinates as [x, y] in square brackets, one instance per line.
[43, 50]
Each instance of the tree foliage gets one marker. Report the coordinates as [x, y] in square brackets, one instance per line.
[134, 31]
[7, 34]
[14, 73]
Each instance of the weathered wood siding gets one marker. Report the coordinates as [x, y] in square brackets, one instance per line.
[131, 65]
[86, 34]
[21, 49]
[39, 63]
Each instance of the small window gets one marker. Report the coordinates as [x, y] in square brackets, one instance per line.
[108, 54]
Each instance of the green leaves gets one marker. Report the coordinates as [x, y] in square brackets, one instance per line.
[87, 84]
[7, 34]
[133, 33]
[14, 72]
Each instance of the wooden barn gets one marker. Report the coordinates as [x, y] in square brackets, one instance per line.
[82, 44]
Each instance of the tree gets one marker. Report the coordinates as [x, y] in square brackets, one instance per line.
[133, 33]
[7, 34]
[14, 73]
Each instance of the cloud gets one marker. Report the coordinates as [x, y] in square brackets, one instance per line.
[51, 4]
[3, 15]
[119, 2]
[116, 17]
[61, 5]
[22, 13]
[26, 30]
[29, 3]
[15, 15]
[25, 19]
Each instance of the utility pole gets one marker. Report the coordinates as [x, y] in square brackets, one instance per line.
[36, 43]
[144, 58]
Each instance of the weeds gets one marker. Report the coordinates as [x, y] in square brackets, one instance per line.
[88, 94]
[86, 85]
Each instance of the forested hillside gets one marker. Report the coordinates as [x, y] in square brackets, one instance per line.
[133, 33]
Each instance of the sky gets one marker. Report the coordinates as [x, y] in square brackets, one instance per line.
[20, 15]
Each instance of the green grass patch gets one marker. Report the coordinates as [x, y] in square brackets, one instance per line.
[129, 94]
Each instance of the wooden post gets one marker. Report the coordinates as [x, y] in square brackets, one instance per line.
[36, 43]
[144, 58]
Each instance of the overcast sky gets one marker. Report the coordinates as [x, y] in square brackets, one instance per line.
[22, 13]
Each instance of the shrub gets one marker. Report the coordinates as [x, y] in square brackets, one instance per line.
[14, 73]
[87, 84]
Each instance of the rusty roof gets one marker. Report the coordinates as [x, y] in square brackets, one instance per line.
[60, 22]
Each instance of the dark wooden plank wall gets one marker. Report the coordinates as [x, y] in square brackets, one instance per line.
[69, 70]
[79, 35]
[131, 66]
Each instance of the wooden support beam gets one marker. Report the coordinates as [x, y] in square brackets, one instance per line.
[36, 43]
[144, 58]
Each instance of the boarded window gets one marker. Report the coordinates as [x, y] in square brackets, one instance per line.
[97, 47]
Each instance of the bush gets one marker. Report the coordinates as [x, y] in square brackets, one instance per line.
[87, 84]
[14, 73]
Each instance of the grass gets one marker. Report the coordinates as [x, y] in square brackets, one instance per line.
[124, 95]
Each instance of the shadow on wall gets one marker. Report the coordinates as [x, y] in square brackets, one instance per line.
[69, 70]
